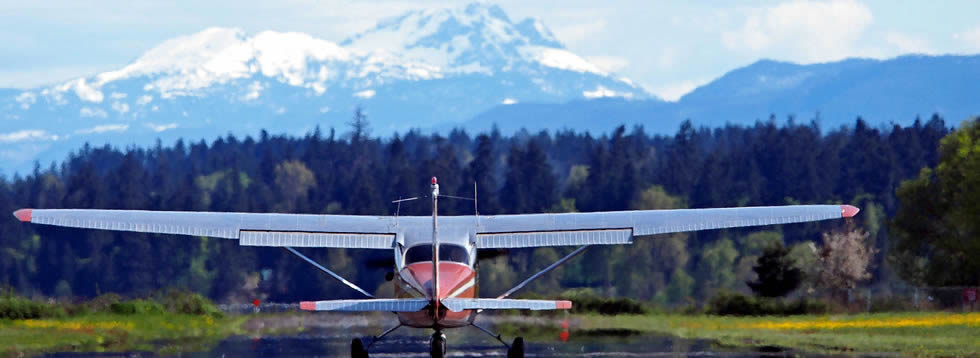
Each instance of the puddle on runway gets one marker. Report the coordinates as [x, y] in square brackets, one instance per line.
[469, 342]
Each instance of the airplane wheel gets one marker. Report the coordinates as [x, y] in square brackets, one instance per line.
[516, 349]
[357, 349]
[437, 346]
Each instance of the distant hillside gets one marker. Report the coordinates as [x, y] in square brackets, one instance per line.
[882, 92]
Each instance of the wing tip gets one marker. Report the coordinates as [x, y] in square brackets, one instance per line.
[563, 305]
[848, 211]
[307, 306]
[24, 215]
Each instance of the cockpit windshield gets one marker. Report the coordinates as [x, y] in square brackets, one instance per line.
[447, 252]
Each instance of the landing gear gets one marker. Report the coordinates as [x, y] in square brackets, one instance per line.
[437, 345]
[516, 349]
[357, 349]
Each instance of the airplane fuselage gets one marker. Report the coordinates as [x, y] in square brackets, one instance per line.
[456, 280]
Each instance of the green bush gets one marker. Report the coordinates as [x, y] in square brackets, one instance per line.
[737, 304]
[12, 307]
[103, 302]
[588, 302]
[136, 307]
[186, 302]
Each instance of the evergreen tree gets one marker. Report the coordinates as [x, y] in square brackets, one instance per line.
[776, 274]
[482, 170]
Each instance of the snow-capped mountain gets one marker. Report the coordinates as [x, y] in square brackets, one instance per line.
[422, 69]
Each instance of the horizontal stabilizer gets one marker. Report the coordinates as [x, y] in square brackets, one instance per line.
[382, 305]
[462, 304]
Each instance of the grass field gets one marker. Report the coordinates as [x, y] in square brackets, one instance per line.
[932, 334]
[112, 332]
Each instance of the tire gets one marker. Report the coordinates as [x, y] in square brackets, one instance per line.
[516, 349]
[437, 345]
[357, 349]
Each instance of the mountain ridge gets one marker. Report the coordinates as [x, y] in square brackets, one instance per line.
[896, 90]
[456, 63]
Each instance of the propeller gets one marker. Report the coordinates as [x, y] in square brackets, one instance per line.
[387, 262]
[490, 254]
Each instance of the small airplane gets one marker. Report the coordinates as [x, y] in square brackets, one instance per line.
[435, 258]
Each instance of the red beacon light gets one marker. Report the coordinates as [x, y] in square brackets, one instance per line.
[434, 181]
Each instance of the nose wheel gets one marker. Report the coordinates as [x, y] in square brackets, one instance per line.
[516, 349]
[357, 349]
[437, 345]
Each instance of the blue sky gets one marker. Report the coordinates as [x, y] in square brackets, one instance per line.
[667, 47]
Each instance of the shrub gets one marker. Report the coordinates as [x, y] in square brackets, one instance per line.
[12, 307]
[776, 274]
[186, 302]
[103, 302]
[587, 301]
[136, 307]
[737, 304]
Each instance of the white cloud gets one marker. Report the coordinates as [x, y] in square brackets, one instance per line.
[508, 100]
[35, 76]
[82, 90]
[143, 100]
[909, 43]
[667, 58]
[324, 109]
[104, 128]
[117, 95]
[573, 33]
[120, 107]
[89, 112]
[26, 99]
[608, 63]
[809, 31]
[674, 91]
[970, 39]
[254, 89]
[365, 94]
[161, 127]
[26, 135]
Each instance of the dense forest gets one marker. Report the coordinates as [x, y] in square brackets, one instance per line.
[349, 171]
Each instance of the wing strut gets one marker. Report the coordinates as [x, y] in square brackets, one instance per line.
[546, 270]
[331, 273]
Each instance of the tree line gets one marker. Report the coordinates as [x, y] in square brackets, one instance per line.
[353, 172]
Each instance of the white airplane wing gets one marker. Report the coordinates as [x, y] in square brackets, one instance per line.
[619, 227]
[251, 229]
[378, 232]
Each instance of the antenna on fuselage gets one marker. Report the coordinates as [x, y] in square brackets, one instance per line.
[476, 211]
